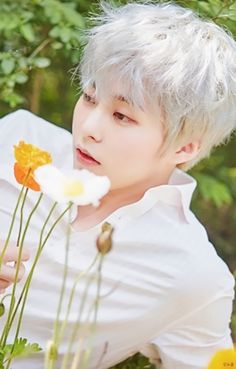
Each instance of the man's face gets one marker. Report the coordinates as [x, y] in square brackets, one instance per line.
[124, 141]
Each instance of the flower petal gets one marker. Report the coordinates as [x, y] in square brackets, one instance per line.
[78, 186]
[30, 156]
[51, 181]
[21, 174]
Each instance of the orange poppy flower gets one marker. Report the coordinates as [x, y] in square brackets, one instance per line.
[21, 173]
[28, 158]
[223, 359]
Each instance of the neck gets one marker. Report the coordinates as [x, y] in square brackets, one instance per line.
[117, 198]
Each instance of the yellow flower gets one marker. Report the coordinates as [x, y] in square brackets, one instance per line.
[224, 359]
[28, 158]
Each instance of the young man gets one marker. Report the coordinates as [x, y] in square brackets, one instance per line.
[159, 92]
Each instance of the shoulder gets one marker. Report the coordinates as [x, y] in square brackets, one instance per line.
[24, 125]
[24, 118]
[176, 252]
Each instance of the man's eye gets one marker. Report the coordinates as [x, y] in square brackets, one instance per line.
[122, 117]
[88, 98]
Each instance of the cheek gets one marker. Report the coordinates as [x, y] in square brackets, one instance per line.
[135, 147]
[130, 161]
[77, 117]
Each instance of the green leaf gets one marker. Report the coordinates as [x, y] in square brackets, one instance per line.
[214, 190]
[29, 349]
[57, 45]
[10, 82]
[21, 348]
[21, 77]
[27, 32]
[8, 65]
[205, 7]
[58, 11]
[52, 12]
[71, 15]
[41, 62]
[9, 21]
[22, 62]
[11, 98]
[55, 32]
[65, 34]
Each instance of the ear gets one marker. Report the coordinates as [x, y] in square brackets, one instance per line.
[187, 152]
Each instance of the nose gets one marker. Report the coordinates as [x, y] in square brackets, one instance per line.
[91, 126]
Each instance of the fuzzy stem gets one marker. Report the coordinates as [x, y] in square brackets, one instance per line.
[25, 290]
[11, 226]
[72, 293]
[77, 325]
[12, 303]
[96, 305]
[56, 327]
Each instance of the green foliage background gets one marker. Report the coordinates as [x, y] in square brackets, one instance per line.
[40, 44]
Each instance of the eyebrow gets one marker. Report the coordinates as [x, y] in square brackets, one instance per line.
[122, 98]
[116, 97]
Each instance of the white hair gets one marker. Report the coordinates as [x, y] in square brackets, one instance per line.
[165, 55]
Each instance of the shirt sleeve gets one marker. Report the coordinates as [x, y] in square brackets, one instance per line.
[204, 329]
[192, 343]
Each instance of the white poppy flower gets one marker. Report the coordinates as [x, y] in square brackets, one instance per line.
[78, 186]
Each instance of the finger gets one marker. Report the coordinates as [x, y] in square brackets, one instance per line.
[21, 272]
[8, 272]
[2, 291]
[12, 254]
[4, 284]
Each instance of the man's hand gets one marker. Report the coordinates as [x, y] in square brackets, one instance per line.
[8, 268]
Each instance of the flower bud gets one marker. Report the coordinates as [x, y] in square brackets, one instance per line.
[51, 352]
[104, 240]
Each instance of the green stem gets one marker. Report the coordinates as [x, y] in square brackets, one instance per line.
[12, 303]
[40, 248]
[62, 292]
[25, 290]
[77, 325]
[11, 226]
[27, 285]
[13, 218]
[21, 217]
[72, 293]
[40, 47]
[96, 305]
[56, 327]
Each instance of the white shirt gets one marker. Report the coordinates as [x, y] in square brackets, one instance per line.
[165, 290]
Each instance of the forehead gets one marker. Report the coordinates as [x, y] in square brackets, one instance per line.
[116, 92]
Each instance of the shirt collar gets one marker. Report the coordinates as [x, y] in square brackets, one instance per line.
[178, 192]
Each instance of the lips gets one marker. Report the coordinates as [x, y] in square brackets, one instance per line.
[85, 155]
